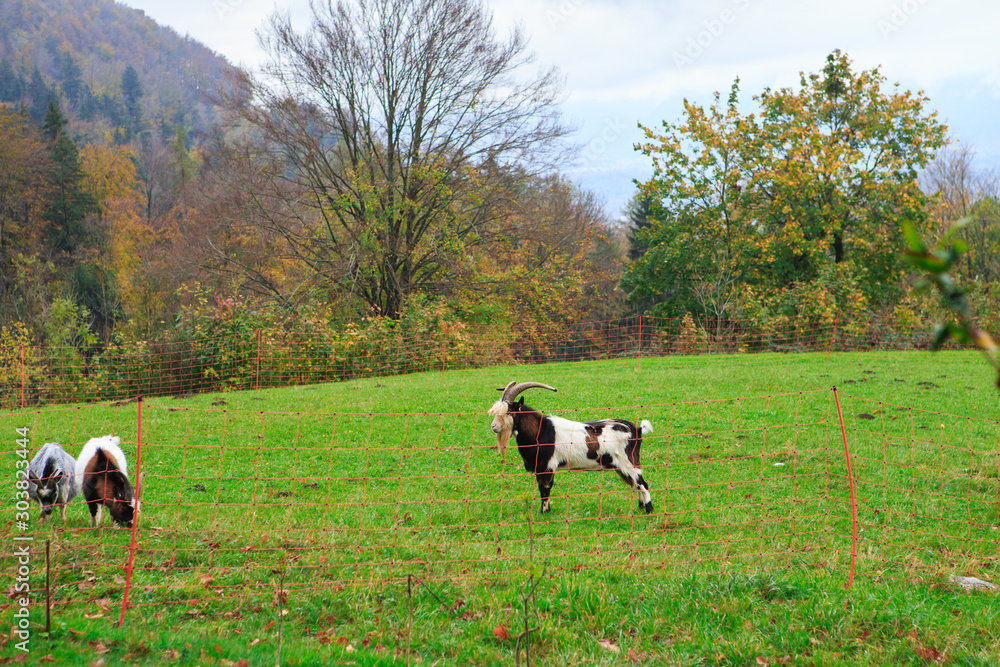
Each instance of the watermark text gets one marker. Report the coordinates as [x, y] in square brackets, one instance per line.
[21, 626]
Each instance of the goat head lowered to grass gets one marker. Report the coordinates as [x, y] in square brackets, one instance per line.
[50, 479]
[102, 479]
[547, 443]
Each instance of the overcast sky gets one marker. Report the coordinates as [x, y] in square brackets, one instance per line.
[634, 61]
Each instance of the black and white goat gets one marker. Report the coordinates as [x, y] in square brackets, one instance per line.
[102, 479]
[547, 443]
[50, 479]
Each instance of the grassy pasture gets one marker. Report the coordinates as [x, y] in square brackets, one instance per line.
[334, 494]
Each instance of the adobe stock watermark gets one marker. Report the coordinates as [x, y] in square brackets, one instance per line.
[22, 545]
[899, 16]
[712, 29]
[595, 148]
[223, 7]
[562, 12]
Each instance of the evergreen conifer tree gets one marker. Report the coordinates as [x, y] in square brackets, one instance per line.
[68, 204]
[638, 212]
[131, 94]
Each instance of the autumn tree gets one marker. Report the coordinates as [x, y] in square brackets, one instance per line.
[23, 193]
[120, 270]
[812, 189]
[388, 132]
[558, 262]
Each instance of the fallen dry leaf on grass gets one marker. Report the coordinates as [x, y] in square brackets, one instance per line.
[501, 633]
[99, 647]
[609, 645]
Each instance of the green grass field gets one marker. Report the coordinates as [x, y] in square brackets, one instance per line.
[307, 509]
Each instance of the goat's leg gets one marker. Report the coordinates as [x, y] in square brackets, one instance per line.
[632, 476]
[645, 500]
[545, 481]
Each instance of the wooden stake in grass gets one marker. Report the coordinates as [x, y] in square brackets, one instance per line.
[281, 587]
[409, 622]
[528, 593]
[48, 597]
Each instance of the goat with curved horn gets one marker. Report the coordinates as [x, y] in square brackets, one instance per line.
[547, 443]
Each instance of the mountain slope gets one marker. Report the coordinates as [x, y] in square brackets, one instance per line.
[77, 52]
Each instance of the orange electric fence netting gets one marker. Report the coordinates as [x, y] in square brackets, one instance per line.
[236, 505]
[33, 375]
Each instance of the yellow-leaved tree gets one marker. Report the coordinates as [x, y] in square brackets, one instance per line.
[110, 176]
[801, 203]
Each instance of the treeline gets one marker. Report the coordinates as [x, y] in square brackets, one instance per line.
[393, 168]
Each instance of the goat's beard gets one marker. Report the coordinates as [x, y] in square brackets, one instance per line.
[503, 437]
[499, 411]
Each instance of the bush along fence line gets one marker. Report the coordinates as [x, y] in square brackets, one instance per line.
[247, 506]
[33, 375]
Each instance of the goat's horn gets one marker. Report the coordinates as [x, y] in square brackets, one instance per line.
[514, 389]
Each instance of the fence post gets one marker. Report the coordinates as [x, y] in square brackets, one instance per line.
[257, 380]
[444, 350]
[135, 515]
[23, 370]
[638, 361]
[834, 336]
[850, 480]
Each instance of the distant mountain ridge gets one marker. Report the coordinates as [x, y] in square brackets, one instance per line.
[77, 52]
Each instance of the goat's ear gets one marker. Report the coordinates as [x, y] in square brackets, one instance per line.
[521, 402]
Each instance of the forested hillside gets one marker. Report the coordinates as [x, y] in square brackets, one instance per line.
[78, 52]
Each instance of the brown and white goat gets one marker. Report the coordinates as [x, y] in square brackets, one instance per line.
[547, 443]
[102, 479]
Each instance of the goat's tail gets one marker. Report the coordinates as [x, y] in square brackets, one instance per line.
[645, 427]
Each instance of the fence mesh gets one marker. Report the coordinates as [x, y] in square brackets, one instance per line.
[42, 375]
[237, 505]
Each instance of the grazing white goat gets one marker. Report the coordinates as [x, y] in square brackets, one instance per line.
[50, 479]
[102, 478]
[547, 443]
